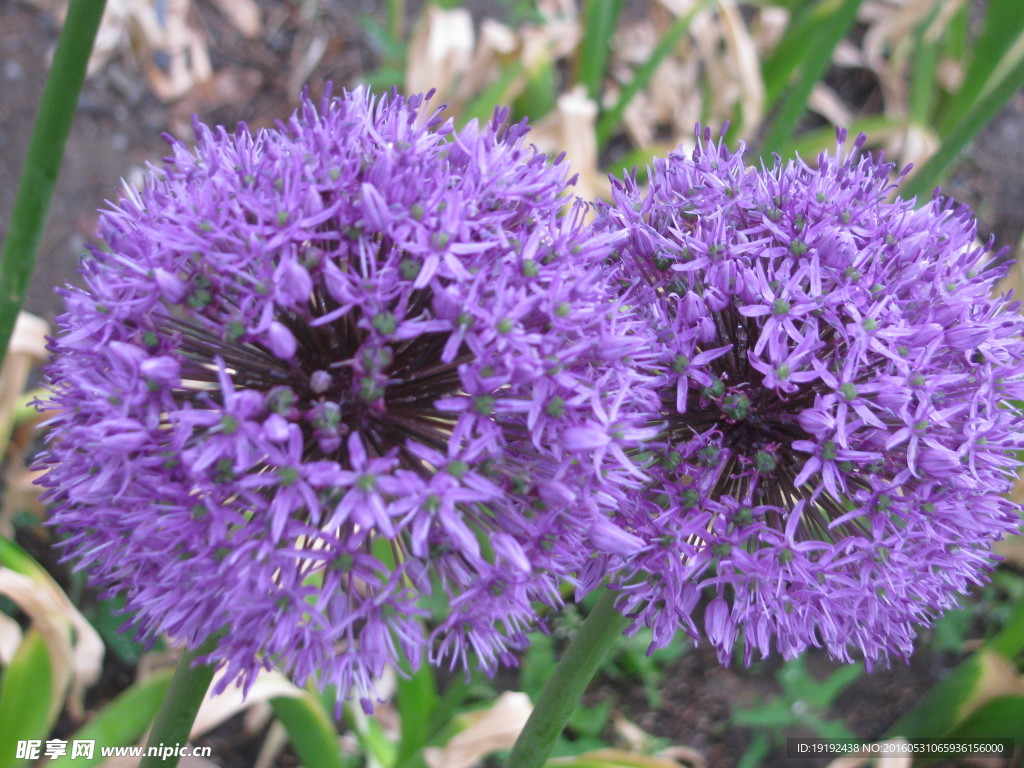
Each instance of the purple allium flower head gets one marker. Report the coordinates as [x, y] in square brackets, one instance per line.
[834, 374]
[322, 371]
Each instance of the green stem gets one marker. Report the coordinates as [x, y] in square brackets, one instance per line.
[178, 711]
[42, 163]
[589, 647]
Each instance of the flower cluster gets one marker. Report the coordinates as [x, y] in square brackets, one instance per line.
[833, 379]
[323, 371]
[321, 375]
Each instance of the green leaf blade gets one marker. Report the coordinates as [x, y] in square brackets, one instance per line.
[25, 698]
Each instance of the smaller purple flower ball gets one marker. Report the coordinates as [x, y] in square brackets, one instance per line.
[319, 373]
[835, 387]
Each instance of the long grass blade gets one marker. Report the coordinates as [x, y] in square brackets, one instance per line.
[600, 18]
[417, 701]
[810, 145]
[540, 92]
[791, 50]
[812, 68]
[120, 723]
[985, 109]
[310, 730]
[925, 60]
[610, 119]
[42, 163]
[26, 698]
[500, 91]
[1004, 24]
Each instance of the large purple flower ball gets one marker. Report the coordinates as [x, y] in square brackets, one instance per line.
[835, 377]
[322, 371]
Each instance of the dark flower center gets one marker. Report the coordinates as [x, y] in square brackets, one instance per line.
[748, 429]
[343, 377]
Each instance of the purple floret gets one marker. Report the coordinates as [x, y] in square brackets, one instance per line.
[834, 379]
[320, 372]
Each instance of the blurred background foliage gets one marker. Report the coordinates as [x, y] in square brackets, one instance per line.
[611, 83]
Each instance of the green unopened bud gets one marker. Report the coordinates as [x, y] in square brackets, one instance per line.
[680, 363]
[409, 268]
[709, 455]
[555, 407]
[689, 499]
[457, 468]
[765, 462]
[715, 389]
[369, 390]
[736, 407]
[385, 322]
[744, 516]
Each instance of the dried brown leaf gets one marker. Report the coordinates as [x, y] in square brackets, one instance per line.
[216, 709]
[827, 103]
[555, 9]
[306, 57]
[686, 755]
[26, 348]
[888, 43]
[678, 7]
[570, 129]
[10, 638]
[496, 47]
[187, 55]
[767, 28]
[914, 144]
[491, 730]
[556, 37]
[243, 14]
[20, 494]
[629, 734]
[1011, 548]
[273, 745]
[617, 757]
[637, 742]
[1014, 281]
[440, 51]
[50, 619]
[747, 67]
